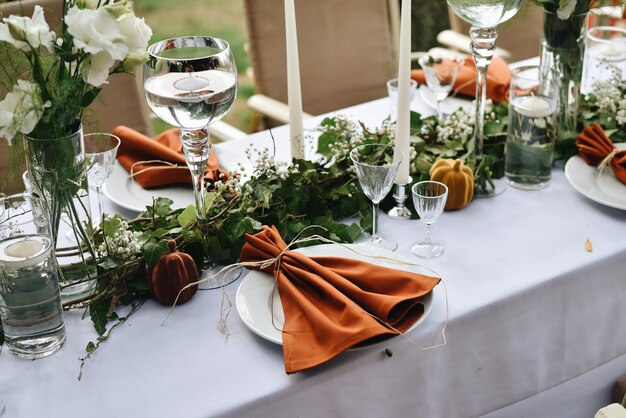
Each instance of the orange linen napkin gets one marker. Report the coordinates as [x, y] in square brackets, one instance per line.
[595, 147]
[137, 149]
[331, 303]
[498, 79]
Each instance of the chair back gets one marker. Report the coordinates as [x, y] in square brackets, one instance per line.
[344, 49]
[521, 35]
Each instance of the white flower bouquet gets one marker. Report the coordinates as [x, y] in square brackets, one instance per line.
[66, 70]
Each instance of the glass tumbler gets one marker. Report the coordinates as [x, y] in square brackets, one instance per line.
[531, 129]
[30, 300]
[605, 53]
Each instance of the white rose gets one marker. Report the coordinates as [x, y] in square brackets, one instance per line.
[136, 36]
[25, 33]
[95, 31]
[566, 8]
[96, 69]
[21, 110]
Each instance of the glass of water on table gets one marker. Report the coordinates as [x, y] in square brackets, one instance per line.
[531, 129]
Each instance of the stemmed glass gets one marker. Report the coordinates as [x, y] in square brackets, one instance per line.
[484, 16]
[440, 73]
[429, 198]
[100, 150]
[191, 82]
[376, 170]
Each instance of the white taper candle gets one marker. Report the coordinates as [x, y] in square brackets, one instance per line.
[404, 94]
[294, 94]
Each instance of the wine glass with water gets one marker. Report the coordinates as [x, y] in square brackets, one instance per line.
[484, 16]
[191, 82]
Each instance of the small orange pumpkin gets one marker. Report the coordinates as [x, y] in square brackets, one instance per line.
[459, 179]
[170, 274]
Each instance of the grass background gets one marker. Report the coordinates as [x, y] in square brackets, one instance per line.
[225, 19]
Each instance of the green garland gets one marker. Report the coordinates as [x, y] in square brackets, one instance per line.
[291, 197]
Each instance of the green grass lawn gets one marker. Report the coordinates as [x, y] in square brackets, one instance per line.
[220, 18]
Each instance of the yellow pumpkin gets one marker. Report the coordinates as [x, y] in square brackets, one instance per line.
[459, 179]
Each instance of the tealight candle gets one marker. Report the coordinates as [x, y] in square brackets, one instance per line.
[20, 252]
[534, 106]
[191, 83]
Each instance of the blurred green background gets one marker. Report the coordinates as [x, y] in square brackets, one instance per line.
[225, 19]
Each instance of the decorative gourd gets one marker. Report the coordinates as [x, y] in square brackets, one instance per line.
[459, 179]
[170, 274]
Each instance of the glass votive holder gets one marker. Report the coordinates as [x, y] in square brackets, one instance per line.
[392, 91]
[531, 129]
[605, 51]
[30, 300]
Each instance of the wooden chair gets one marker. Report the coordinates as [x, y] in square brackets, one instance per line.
[345, 54]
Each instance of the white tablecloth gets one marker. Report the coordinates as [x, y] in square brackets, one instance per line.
[534, 320]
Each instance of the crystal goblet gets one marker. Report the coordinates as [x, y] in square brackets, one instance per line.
[376, 170]
[429, 198]
[191, 82]
[100, 150]
[484, 16]
[440, 73]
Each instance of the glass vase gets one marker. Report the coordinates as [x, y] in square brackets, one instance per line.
[562, 53]
[57, 171]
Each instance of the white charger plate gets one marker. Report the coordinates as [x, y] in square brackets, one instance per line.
[127, 193]
[254, 296]
[603, 188]
[448, 105]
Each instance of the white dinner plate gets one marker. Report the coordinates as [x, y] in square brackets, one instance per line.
[602, 188]
[127, 193]
[254, 296]
[448, 105]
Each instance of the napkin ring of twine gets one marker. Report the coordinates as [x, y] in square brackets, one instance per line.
[166, 166]
[607, 160]
[226, 305]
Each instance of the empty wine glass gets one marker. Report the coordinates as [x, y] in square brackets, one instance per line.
[191, 82]
[484, 16]
[376, 170]
[429, 198]
[440, 73]
[100, 150]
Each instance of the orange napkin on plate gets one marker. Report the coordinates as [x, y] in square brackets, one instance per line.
[136, 150]
[498, 79]
[331, 303]
[595, 147]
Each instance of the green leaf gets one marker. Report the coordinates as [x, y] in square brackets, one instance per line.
[163, 206]
[111, 225]
[89, 97]
[90, 347]
[188, 216]
[98, 313]
[108, 263]
[153, 250]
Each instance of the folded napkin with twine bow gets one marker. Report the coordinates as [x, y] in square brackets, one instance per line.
[331, 303]
[158, 161]
[498, 79]
[597, 149]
